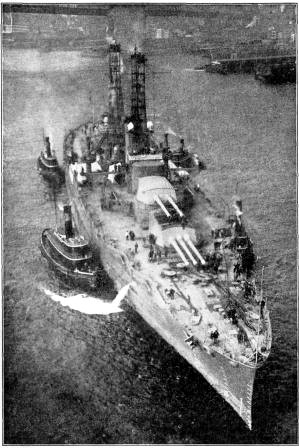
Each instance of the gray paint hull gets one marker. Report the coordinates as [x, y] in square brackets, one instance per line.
[232, 380]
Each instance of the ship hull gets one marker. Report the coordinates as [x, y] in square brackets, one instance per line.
[231, 379]
[68, 276]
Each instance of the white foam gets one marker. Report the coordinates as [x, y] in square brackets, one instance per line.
[88, 304]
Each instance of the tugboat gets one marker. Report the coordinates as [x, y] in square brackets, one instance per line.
[192, 268]
[70, 255]
[47, 163]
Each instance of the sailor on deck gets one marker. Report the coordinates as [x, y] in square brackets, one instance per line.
[214, 335]
[96, 166]
[237, 270]
[81, 177]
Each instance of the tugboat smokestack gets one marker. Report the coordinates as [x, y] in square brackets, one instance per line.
[68, 225]
[237, 203]
[48, 147]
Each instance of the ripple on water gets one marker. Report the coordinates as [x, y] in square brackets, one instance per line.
[111, 379]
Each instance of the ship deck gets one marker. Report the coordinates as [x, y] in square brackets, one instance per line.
[197, 303]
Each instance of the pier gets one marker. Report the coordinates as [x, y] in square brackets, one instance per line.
[248, 60]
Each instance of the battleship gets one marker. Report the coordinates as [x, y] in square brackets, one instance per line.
[191, 269]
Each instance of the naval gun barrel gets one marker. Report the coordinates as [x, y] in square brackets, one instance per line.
[162, 206]
[184, 246]
[171, 201]
[193, 248]
[179, 252]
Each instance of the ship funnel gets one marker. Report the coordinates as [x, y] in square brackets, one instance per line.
[179, 252]
[48, 146]
[187, 251]
[237, 203]
[166, 146]
[68, 225]
[162, 206]
[193, 248]
[171, 201]
[182, 145]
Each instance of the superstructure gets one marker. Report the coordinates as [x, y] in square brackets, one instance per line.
[191, 270]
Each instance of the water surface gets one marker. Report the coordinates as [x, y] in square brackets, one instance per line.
[71, 378]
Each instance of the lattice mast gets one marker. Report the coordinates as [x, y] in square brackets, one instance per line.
[116, 103]
[139, 134]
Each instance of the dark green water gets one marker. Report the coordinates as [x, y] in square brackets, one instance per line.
[71, 378]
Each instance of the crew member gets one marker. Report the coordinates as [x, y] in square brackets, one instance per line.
[171, 293]
[81, 178]
[237, 271]
[150, 255]
[217, 258]
[96, 166]
[214, 335]
[152, 238]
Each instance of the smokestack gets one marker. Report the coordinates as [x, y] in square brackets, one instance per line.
[237, 203]
[68, 225]
[48, 147]
[182, 145]
[166, 146]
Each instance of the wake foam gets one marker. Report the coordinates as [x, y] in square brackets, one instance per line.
[90, 305]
